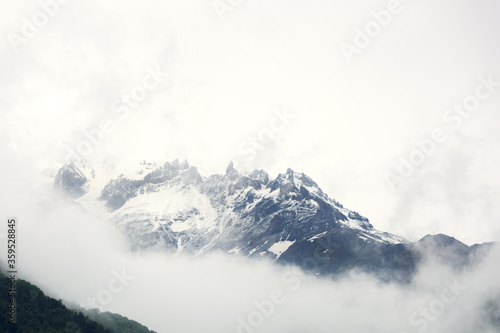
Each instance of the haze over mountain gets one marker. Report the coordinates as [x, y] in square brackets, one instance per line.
[329, 245]
[167, 289]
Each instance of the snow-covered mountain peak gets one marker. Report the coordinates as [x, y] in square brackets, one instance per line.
[297, 184]
[73, 177]
[260, 175]
[172, 206]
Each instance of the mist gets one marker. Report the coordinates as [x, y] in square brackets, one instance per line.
[82, 259]
[210, 80]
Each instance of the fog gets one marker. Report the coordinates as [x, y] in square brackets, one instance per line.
[83, 259]
[219, 78]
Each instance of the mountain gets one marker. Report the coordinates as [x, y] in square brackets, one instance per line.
[73, 180]
[288, 219]
[37, 312]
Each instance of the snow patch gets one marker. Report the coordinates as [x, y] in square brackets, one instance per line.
[178, 227]
[235, 250]
[179, 245]
[317, 236]
[280, 247]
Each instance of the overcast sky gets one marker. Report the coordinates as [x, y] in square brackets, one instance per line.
[223, 73]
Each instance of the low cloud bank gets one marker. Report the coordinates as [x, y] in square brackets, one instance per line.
[83, 259]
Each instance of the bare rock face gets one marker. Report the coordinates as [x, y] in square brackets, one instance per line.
[288, 219]
[73, 178]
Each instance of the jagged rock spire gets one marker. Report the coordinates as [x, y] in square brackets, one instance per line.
[231, 172]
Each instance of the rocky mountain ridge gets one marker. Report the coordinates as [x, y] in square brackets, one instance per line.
[288, 219]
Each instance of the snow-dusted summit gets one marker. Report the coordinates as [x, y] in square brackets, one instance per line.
[288, 218]
[174, 207]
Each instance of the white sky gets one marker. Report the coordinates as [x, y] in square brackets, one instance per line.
[353, 121]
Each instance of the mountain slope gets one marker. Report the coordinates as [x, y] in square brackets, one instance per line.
[37, 312]
[174, 207]
[288, 219]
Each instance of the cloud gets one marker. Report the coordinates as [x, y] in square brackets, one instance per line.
[227, 76]
[86, 260]
[353, 123]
